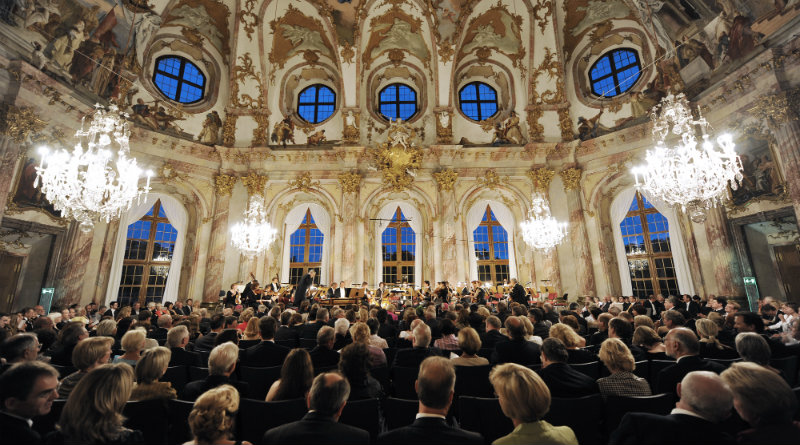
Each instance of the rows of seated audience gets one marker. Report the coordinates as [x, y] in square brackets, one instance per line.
[660, 370]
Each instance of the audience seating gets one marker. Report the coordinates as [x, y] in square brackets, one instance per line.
[179, 431]
[655, 367]
[403, 379]
[788, 366]
[148, 417]
[204, 355]
[617, 406]
[64, 371]
[592, 369]
[259, 380]
[486, 353]
[196, 373]
[484, 416]
[724, 362]
[308, 343]
[642, 369]
[390, 353]
[797, 394]
[256, 417]
[291, 344]
[399, 412]
[473, 381]
[585, 415]
[381, 374]
[47, 423]
[364, 414]
[178, 376]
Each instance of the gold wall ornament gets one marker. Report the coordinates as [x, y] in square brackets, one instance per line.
[347, 52]
[168, 173]
[248, 18]
[256, 184]
[541, 178]
[260, 138]
[243, 70]
[565, 122]
[542, 10]
[350, 132]
[303, 182]
[778, 109]
[490, 179]
[223, 184]
[446, 179]
[551, 66]
[571, 178]
[535, 128]
[22, 123]
[229, 130]
[399, 157]
[446, 51]
[350, 182]
[444, 127]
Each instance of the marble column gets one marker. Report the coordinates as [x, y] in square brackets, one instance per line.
[726, 264]
[446, 180]
[215, 262]
[104, 268]
[578, 237]
[350, 183]
[72, 266]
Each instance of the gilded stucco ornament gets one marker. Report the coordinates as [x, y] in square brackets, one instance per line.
[22, 123]
[229, 130]
[168, 173]
[445, 179]
[350, 182]
[571, 177]
[223, 184]
[778, 109]
[350, 133]
[256, 184]
[541, 178]
[444, 127]
[490, 180]
[303, 182]
[399, 157]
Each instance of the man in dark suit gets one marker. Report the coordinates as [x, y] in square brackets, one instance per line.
[602, 330]
[332, 291]
[206, 342]
[516, 349]
[221, 364]
[691, 306]
[561, 378]
[386, 329]
[492, 336]
[113, 308]
[435, 384]
[323, 355]
[302, 287]
[310, 330]
[266, 353]
[285, 332]
[326, 399]
[412, 357]
[177, 339]
[705, 401]
[27, 390]
[682, 344]
[540, 326]
[518, 293]
[433, 323]
[164, 323]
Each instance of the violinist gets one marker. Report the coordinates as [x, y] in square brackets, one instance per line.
[232, 298]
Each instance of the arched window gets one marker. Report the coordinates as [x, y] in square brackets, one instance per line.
[316, 103]
[615, 72]
[149, 247]
[398, 242]
[305, 250]
[179, 79]
[478, 101]
[645, 235]
[491, 249]
[397, 100]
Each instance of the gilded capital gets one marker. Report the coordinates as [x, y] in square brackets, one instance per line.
[256, 184]
[446, 179]
[541, 178]
[778, 109]
[571, 178]
[350, 182]
[22, 123]
[223, 184]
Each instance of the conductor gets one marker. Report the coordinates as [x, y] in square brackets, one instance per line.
[306, 282]
[518, 293]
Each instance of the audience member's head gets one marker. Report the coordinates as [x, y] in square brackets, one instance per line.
[27, 389]
[267, 326]
[523, 395]
[602, 321]
[643, 320]
[435, 383]
[469, 341]
[680, 342]
[616, 356]
[705, 394]
[134, 340]
[326, 337]
[152, 365]
[222, 360]
[297, 373]
[340, 326]
[619, 328]
[760, 396]
[354, 362]
[554, 351]
[227, 335]
[91, 353]
[673, 319]
[569, 338]
[211, 419]
[753, 347]
[72, 333]
[645, 336]
[745, 321]
[106, 328]
[20, 348]
[515, 328]
[493, 322]
[322, 315]
[422, 336]
[178, 337]
[328, 394]
[360, 332]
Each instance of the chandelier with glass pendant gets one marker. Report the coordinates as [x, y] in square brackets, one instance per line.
[92, 182]
[687, 172]
[254, 234]
[541, 231]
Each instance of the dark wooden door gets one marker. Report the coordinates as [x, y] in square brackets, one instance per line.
[10, 267]
[788, 260]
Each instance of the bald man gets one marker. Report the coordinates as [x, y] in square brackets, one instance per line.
[682, 344]
[705, 401]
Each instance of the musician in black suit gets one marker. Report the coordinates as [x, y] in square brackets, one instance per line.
[302, 287]
[518, 293]
[562, 379]
[517, 349]
[412, 357]
[177, 339]
[705, 401]
[682, 344]
[274, 286]
[332, 291]
[435, 384]
[326, 399]
[266, 353]
[221, 364]
[27, 390]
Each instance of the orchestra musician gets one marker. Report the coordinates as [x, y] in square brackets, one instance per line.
[233, 297]
[275, 286]
[480, 293]
[367, 294]
[342, 291]
[332, 290]
[303, 286]
[381, 292]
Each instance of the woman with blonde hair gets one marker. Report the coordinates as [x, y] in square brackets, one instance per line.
[643, 320]
[710, 346]
[133, 342]
[573, 342]
[151, 367]
[525, 399]
[244, 318]
[622, 381]
[93, 412]
[251, 335]
[361, 334]
[646, 338]
[470, 343]
[212, 417]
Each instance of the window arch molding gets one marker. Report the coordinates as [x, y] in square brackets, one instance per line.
[619, 210]
[208, 62]
[178, 217]
[292, 221]
[506, 218]
[384, 216]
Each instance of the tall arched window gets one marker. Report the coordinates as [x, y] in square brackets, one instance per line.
[305, 249]
[645, 235]
[398, 246]
[491, 248]
[149, 248]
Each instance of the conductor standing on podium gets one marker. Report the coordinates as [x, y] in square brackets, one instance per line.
[306, 282]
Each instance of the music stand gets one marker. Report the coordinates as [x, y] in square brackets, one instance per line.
[356, 293]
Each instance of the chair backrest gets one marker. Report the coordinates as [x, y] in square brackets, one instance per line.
[179, 431]
[381, 374]
[473, 381]
[723, 362]
[403, 379]
[585, 415]
[399, 412]
[787, 365]
[148, 417]
[196, 373]
[178, 376]
[390, 353]
[64, 371]
[592, 369]
[486, 353]
[797, 394]
[291, 344]
[617, 406]
[47, 423]
[642, 369]
[657, 366]
[256, 417]
[259, 380]
[308, 343]
[364, 414]
[484, 416]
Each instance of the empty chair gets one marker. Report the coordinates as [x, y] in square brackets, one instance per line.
[592, 369]
[617, 406]
[473, 381]
[484, 416]
[403, 382]
[148, 417]
[585, 415]
[256, 417]
[177, 376]
[788, 366]
[259, 380]
[196, 373]
[399, 412]
[364, 414]
[179, 431]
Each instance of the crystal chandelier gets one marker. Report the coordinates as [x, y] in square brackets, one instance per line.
[91, 183]
[163, 270]
[254, 234]
[541, 231]
[692, 174]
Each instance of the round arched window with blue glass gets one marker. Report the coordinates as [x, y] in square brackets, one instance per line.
[615, 72]
[179, 79]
